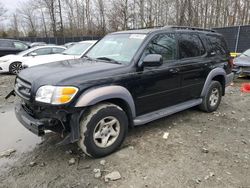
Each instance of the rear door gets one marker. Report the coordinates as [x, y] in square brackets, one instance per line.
[193, 65]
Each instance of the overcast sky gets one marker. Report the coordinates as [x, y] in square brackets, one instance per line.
[11, 5]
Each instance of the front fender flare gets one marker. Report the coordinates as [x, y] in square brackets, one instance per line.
[96, 95]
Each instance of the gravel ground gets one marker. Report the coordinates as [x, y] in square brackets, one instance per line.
[201, 150]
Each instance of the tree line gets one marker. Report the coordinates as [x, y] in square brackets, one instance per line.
[48, 18]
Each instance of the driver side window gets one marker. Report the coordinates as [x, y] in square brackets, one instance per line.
[163, 44]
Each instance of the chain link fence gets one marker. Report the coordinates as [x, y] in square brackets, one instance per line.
[237, 37]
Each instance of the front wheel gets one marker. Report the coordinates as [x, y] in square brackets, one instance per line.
[212, 99]
[103, 130]
[15, 67]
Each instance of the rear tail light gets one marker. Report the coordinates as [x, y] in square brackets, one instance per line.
[231, 62]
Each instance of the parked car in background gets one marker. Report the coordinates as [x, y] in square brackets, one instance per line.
[242, 64]
[74, 52]
[10, 46]
[34, 44]
[13, 63]
[69, 44]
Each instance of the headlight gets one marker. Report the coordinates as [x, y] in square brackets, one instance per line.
[55, 94]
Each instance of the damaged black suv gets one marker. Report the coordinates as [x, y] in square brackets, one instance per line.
[127, 79]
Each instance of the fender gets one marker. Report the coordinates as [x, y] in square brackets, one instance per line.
[215, 72]
[95, 95]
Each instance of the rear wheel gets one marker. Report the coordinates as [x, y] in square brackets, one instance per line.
[15, 67]
[212, 99]
[103, 130]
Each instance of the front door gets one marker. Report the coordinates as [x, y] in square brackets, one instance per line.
[158, 87]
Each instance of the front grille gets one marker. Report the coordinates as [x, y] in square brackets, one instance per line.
[23, 88]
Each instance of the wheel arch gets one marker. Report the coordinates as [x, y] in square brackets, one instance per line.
[217, 74]
[115, 94]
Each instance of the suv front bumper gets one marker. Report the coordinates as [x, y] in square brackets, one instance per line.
[32, 124]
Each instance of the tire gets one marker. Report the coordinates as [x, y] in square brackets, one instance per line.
[212, 99]
[102, 130]
[15, 67]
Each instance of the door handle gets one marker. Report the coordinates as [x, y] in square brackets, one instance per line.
[174, 70]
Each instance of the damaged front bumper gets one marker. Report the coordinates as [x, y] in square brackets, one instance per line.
[56, 120]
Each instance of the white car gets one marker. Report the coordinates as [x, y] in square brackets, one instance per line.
[74, 52]
[13, 63]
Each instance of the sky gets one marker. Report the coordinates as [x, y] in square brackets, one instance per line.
[11, 5]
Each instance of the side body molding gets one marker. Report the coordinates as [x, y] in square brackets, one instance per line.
[215, 72]
[95, 95]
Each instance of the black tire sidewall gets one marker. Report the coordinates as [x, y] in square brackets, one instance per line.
[214, 84]
[91, 147]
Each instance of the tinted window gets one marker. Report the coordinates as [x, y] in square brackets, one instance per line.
[218, 44]
[57, 50]
[190, 45]
[163, 44]
[20, 46]
[6, 44]
[42, 51]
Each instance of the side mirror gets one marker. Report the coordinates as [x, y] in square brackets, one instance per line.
[33, 54]
[152, 60]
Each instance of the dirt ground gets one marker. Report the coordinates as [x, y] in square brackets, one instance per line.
[202, 150]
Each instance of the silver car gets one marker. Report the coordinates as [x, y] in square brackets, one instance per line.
[242, 64]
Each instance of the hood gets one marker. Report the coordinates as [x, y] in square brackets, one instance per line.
[242, 61]
[38, 60]
[68, 72]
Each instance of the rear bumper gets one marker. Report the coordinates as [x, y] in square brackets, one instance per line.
[229, 78]
[32, 124]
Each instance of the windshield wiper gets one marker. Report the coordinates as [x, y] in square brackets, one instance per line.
[245, 55]
[108, 60]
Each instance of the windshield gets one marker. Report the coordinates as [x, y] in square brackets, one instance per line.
[246, 53]
[77, 49]
[119, 47]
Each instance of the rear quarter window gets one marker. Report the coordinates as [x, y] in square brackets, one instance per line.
[217, 44]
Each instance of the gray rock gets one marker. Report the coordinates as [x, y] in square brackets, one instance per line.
[102, 162]
[113, 176]
[72, 161]
[7, 153]
[204, 150]
[32, 164]
[233, 112]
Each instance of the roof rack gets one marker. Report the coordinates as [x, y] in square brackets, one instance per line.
[190, 28]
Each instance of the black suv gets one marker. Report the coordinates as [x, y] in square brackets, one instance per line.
[9, 46]
[128, 78]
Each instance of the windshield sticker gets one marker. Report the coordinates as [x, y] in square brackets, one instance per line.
[137, 36]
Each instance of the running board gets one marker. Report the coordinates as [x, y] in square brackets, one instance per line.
[146, 118]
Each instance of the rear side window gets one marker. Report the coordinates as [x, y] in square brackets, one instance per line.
[190, 45]
[6, 44]
[20, 46]
[218, 44]
[42, 51]
[57, 50]
[163, 44]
